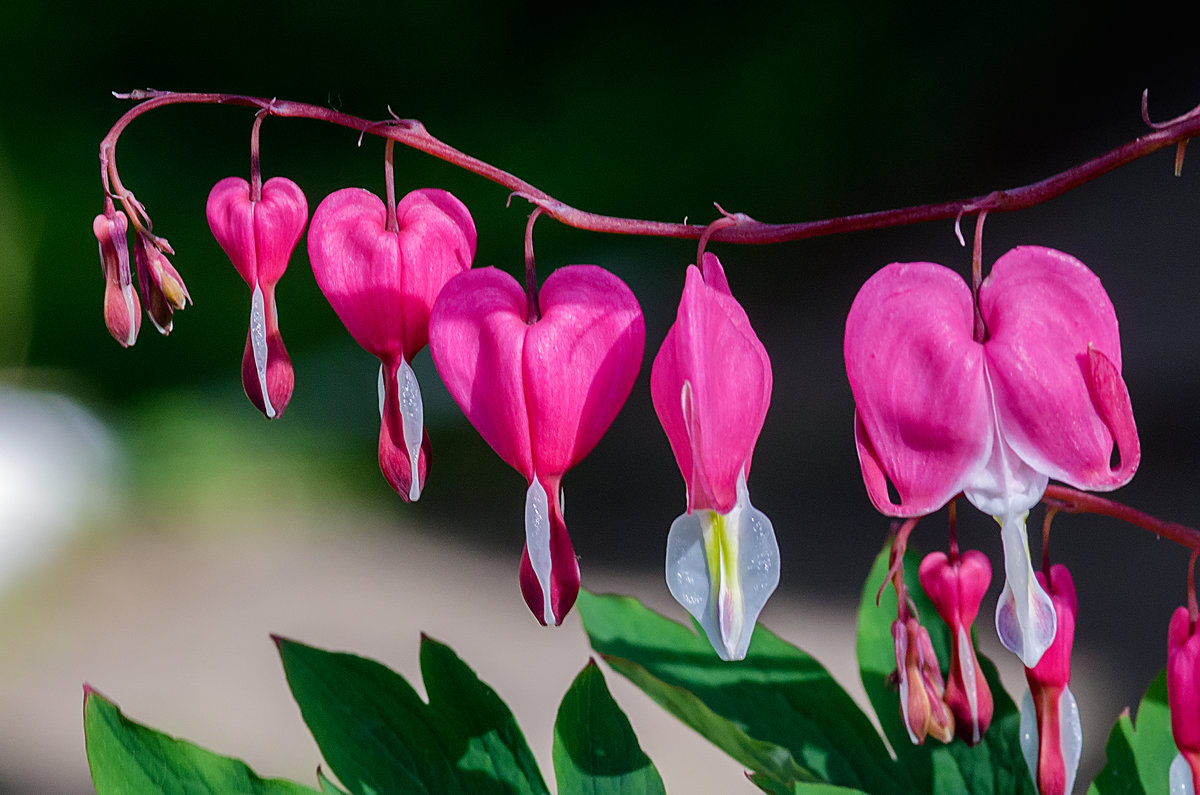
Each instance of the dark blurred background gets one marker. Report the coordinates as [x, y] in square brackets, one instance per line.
[784, 111]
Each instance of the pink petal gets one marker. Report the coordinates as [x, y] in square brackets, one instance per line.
[231, 219]
[580, 361]
[923, 411]
[383, 284]
[549, 573]
[477, 339]
[279, 219]
[714, 423]
[1058, 406]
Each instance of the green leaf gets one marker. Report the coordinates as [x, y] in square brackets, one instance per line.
[1139, 758]
[993, 767]
[128, 758]
[595, 749]
[328, 786]
[778, 712]
[773, 787]
[378, 736]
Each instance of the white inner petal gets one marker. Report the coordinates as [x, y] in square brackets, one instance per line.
[537, 542]
[382, 394]
[1180, 777]
[1025, 619]
[1070, 741]
[722, 568]
[966, 658]
[130, 312]
[1028, 734]
[258, 342]
[412, 411]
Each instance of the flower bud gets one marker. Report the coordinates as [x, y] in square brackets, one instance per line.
[922, 690]
[122, 310]
[161, 286]
[1183, 696]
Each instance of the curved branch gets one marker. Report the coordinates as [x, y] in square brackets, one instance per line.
[412, 133]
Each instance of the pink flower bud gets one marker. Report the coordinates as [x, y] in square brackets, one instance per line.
[1183, 696]
[259, 236]
[1051, 735]
[922, 688]
[161, 286]
[956, 590]
[122, 309]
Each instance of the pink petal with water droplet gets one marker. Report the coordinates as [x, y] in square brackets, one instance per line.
[713, 427]
[1059, 406]
[923, 413]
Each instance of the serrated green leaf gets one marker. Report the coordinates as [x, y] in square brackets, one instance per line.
[127, 758]
[993, 767]
[378, 736]
[1139, 757]
[778, 712]
[595, 749]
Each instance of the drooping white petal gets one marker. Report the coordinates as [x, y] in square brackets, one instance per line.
[258, 342]
[1025, 619]
[412, 411]
[722, 568]
[537, 541]
[382, 394]
[1070, 740]
[1027, 734]
[1180, 777]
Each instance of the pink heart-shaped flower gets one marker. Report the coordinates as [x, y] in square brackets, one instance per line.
[259, 236]
[381, 276]
[542, 393]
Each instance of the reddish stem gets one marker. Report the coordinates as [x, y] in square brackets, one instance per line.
[1051, 510]
[389, 178]
[977, 276]
[953, 511]
[412, 133]
[533, 308]
[1073, 501]
[255, 161]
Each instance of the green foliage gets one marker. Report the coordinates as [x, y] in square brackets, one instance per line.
[127, 758]
[778, 712]
[1139, 758]
[595, 749]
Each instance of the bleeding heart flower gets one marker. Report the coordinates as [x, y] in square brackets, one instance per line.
[1183, 696]
[711, 386]
[122, 309]
[541, 393]
[258, 235]
[1050, 733]
[381, 275]
[161, 285]
[956, 590]
[1041, 396]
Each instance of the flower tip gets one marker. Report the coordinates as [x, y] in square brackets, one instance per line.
[122, 313]
[268, 379]
[549, 572]
[396, 464]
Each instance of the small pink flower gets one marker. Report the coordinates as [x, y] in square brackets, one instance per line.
[381, 275]
[1183, 696]
[1041, 397]
[122, 309]
[1050, 733]
[921, 686]
[259, 236]
[956, 590]
[541, 393]
[711, 385]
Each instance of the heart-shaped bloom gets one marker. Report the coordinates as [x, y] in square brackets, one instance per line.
[382, 279]
[711, 386]
[1041, 396]
[259, 236]
[922, 689]
[541, 393]
[1050, 733]
[122, 309]
[956, 590]
[1183, 696]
